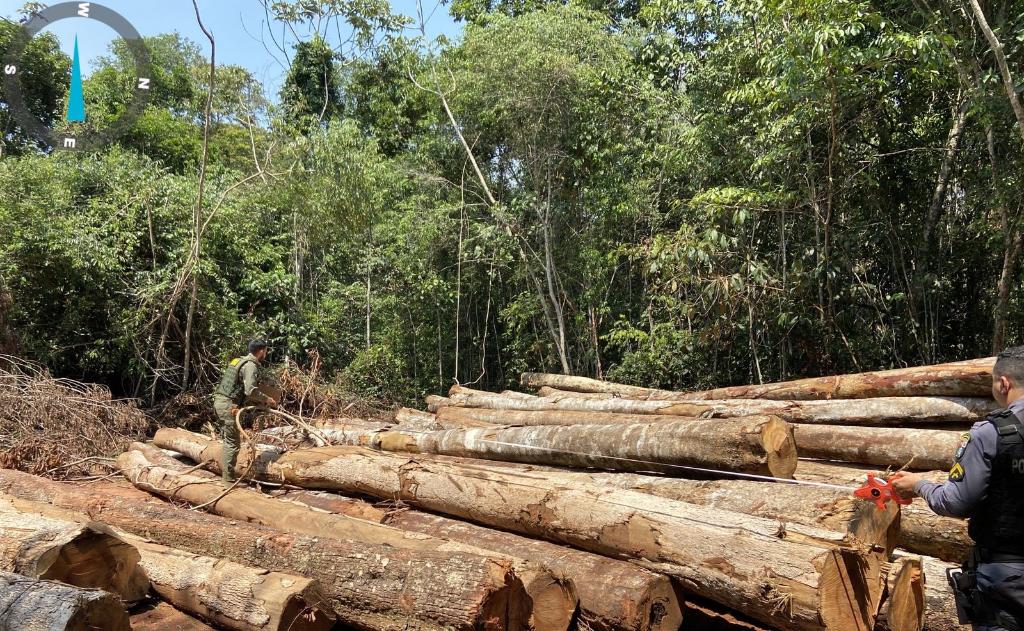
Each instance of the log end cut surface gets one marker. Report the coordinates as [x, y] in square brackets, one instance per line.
[904, 608]
[780, 447]
[850, 589]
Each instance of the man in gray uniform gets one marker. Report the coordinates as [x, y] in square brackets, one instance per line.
[240, 383]
[986, 485]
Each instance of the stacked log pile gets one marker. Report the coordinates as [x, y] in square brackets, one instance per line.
[563, 463]
[580, 504]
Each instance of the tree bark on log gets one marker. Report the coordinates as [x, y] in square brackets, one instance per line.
[903, 608]
[972, 378]
[614, 595]
[161, 616]
[887, 411]
[370, 587]
[756, 444]
[921, 530]
[920, 449]
[548, 391]
[823, 508]
[87, 555]
[406, 415]
[553, 601]
[234, 596]
[940, 608]
[787, 575]
[28, 604]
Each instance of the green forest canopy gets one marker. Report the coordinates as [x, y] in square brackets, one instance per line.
[675, 193]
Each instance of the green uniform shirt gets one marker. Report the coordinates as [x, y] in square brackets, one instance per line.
[248, 375]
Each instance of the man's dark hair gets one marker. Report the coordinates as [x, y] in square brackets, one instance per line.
[256, 345]
[1010, 363]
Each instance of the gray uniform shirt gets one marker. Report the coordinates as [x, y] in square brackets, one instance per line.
[958, 496]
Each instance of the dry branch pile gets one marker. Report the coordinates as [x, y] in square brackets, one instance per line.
[58, 427]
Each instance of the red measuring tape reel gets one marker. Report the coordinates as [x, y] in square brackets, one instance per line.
[880, 492]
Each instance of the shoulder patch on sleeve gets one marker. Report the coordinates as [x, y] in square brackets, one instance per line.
[957, 473]
[962, 446]
[234, 362]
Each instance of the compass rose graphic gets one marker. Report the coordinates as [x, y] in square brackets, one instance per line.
[75, 137]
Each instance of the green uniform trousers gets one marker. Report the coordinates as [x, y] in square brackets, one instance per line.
[229, 433]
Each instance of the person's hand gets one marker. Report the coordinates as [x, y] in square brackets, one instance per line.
[903, 483]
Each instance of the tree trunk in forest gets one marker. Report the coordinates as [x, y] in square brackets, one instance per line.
[895, 411]
[756, 444]
[942, 182]
[972, 378]
[557, 597]
[921, 530]
[1013, 241]
[1004, 67]
[940, 609]
[904, 606]
[234, 596]
[28, 604]
[921, 449]
[614, 595]
[791, 576]
[369, 586]
[83, 555]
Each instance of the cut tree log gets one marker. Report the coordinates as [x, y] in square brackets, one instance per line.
[547, 391]
[161, 616]
[414, 419]
[904, 606]
[434, 402]
[787, 575]
[756, 444]
[921, 530]
[920, 449]
[887, 411]
[28, 604]
[82, 555]
[406, 416]
[614, 595]
[553, 601]
[234, 596]
[940, 608]
[972, 378]
[370, 586]
[813, 506]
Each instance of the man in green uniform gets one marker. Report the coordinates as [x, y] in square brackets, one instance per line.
[239, 384]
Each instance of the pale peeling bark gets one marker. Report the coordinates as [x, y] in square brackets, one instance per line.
[904, 606]
[787, 575]
[920, 449]
[614, 595]
[234, 596]
[82, 555]
[940, 608]
[759, 444]
[28, 604]
[814, 506]
[893, 411]
[406, 416]
[171, 482]
[972, 378]
[921, 530]
[369, 586]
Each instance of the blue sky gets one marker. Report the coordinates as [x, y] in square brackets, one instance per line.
[236, 25]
